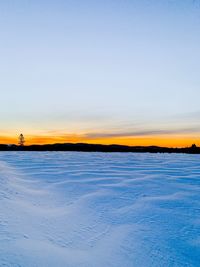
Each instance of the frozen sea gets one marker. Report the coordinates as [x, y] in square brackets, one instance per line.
[71, 209]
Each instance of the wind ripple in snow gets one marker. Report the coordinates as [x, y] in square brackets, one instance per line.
[99, 209]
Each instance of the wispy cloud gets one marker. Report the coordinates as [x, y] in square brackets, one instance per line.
[143, 133]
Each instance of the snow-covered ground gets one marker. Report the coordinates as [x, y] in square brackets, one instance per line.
[63, 209]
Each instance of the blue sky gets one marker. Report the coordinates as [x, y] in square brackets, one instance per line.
[115, 67]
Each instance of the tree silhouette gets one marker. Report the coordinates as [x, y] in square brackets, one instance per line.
[21, 140]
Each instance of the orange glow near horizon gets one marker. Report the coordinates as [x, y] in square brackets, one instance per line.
[165, 141]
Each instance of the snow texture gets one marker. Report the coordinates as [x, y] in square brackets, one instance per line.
[70, 209]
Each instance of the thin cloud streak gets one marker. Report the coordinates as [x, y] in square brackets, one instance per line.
[143, 133]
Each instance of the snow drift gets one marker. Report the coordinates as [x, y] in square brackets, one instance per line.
[71, 209]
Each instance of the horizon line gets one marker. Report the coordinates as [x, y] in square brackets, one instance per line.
[99, 144]
[164, 140]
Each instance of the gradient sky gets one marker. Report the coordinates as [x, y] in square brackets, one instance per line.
[109, 71]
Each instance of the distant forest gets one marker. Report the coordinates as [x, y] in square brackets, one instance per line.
[82, 147]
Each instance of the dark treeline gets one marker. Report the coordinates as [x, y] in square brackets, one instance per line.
[100, 148]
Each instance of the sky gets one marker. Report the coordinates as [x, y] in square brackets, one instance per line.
[109, 71]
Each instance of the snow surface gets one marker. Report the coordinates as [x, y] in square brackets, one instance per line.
[70, 209]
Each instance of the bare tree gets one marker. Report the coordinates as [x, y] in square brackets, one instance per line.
[21, 140]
